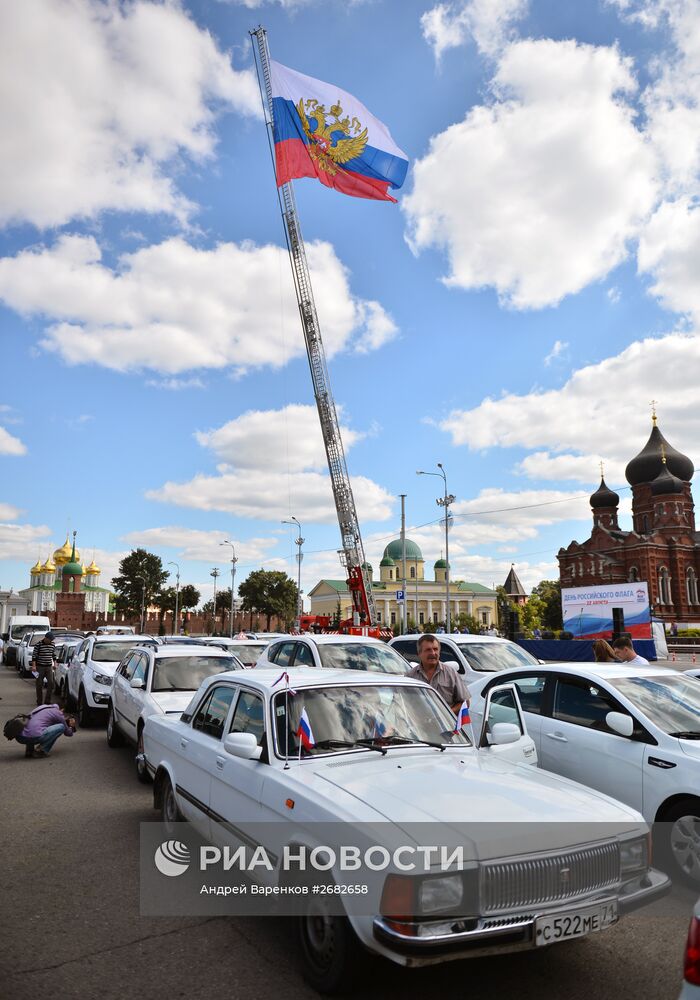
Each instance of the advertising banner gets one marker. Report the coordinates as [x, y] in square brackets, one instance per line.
[588, 614]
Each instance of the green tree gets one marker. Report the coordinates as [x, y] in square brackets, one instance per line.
[189, 599]
[223, 607]
[141, 573]
[164, 601]
[549, 592]
[270, 592]
[337, 616]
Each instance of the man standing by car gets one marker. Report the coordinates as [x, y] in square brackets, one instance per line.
[625, 651]
[440, 676]
[43, 662]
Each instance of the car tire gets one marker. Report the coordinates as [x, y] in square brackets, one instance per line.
[115, 737]
[141, 769]
[169, 810]
[85, 716]
[330, 950]
[680, 840]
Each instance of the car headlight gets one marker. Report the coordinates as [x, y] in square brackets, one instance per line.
[103, 679]
[437, 894]
[634, 856]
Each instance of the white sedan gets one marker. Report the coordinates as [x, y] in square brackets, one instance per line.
[471, 655]
[248, 651]
[158, 680]
[340, 652]
[535, 870]
[631, 732]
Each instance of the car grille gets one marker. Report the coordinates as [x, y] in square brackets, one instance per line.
[508, 885]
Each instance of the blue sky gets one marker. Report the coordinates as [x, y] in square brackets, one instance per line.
[511, 317]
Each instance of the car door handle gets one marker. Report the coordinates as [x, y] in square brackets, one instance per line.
[559, 737]
[220, 761]
[183, 744]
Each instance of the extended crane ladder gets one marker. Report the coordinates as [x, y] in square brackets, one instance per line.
[352, 553]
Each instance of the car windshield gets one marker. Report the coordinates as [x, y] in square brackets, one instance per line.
[109, 652]
[671, 702]
[247, 654]
[365, 716]
[494, 656]
[186, 673]
[37, 637]
[362, 656]
[18, 631]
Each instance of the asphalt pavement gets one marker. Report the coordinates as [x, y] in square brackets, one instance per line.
[69, 892]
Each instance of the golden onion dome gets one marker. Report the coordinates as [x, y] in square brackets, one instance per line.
[93, 569]
[62, 556]
[85, 572]
[48, 566]
[36, 568]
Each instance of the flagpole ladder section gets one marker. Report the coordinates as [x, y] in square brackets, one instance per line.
[352, 553]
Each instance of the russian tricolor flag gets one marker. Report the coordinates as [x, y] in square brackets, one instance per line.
[322, 131]
[305, 733]
[463, 717]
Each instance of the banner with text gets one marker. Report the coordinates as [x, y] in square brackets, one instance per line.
[588, 611]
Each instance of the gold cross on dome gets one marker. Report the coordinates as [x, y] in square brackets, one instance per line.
[652, 404]
[602, 469]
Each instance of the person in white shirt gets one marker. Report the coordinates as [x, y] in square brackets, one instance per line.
[624, 651]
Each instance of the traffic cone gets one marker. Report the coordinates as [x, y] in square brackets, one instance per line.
[693, 657]
[673, 656]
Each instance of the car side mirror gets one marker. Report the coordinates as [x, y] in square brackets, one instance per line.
[81, 657]
[138, 683]
[243, 745]
[455, 665]
[504, 732]
[620, 723]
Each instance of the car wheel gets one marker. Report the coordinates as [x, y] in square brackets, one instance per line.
[84, 713]
[329, 949]
[169, 810]
[115, 737]
[681, 825]
[141, 769]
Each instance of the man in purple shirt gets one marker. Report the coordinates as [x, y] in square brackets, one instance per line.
[46, 723]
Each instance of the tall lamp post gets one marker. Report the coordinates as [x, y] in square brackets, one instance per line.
[176, 620]
[234, 560]
[143, 600]
[299, 541]
[444, 501]
[215, 573]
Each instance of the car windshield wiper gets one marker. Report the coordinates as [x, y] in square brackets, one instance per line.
[349, 745]
[398, 739]
[690, 734]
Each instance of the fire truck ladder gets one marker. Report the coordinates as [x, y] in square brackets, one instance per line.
[352, 554]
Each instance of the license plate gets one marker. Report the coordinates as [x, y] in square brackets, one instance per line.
[576, 923]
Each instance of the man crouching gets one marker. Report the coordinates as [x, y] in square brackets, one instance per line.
[44, 725]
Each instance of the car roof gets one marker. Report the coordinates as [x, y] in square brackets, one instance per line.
[188, 650]
[325, 640]
[605, 671]
[135, 640]
[459, 638]
[265, 678]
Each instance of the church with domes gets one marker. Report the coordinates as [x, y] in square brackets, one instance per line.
[47, 580]
[426, 599]
[662, 548]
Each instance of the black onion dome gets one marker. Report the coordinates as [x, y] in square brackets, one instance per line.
[646, 466]
[666, 482]
[604, 496]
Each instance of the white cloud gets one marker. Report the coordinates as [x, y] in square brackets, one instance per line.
[613, 295]
[611, 394]
[538, 193]
[558, 349]
[669, 251]
[21, 542]
[577, 468]
[8, 512]
[488, 22]
[172, 307]
[11, 445]
[176, 384]
[197, 545]
[104, 96]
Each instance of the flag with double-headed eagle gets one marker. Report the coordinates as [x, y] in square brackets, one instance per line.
[321, 131]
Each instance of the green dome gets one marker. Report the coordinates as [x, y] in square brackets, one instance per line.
[394, 550]
[368, 567]
[73, 569]
[387, 561]
[440, 564]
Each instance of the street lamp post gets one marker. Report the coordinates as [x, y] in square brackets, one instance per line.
[234, 560]
[143, 600]
[215, 573]
[299, 541]
[176, 620]
[444, 501]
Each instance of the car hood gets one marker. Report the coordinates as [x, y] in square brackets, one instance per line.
[172, 701]
[468, 788]
[691, 748]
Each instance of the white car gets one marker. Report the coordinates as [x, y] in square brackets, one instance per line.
[341, 652]
[158, 680]
[234, 758]
[25, 651]
[691, 962]
[471, 655]
[248, 651]
[65, 650]
[632, 732]
[91, 671]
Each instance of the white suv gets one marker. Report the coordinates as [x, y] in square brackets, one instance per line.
[340, 652]
[158, 680]
[91, 671]
[471, 655]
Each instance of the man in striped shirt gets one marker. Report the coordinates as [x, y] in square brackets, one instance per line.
[43, 661]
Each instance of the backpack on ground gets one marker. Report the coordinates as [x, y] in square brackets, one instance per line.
[13, 727]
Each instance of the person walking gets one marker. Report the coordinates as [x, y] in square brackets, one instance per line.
[45, 724]
[603, 652]
[440, 676]
[624, 650]
[43, 661]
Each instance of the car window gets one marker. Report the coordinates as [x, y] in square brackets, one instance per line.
[285, 652]
[408, 649]
[493, 656]
[303, 657]
[129, 665]
[108, 652]
[212, 713]
[362, 656]
[140, 668]
[502, 708]
[583, 703]
[530, 691]
[249, 717]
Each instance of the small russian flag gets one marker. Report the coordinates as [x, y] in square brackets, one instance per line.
[379, 728]
[463, 717]
[305, 733]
